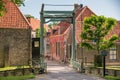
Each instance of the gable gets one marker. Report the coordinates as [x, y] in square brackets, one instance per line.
[35, 23]
[13, 18]
[84, 12]
[115, 31]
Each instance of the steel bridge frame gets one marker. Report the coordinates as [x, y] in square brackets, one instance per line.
[56, 16]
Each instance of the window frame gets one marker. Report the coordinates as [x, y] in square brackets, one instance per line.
[113, 53]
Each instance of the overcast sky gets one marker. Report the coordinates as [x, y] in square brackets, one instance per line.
[108, 8]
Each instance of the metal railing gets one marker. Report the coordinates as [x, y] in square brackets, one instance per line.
[37, 65]
[76, 65]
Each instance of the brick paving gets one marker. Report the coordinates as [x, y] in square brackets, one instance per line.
[57, 71]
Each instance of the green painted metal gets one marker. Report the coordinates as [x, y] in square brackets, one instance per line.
[76, 65]
[57, 19]
[59, 16]
[73, 39]
[42, 62]
[58, 12]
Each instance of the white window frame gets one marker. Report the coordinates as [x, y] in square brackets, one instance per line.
[113, 53]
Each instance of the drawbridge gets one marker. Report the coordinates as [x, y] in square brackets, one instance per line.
[56, 15]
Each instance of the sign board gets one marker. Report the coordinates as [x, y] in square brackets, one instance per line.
[104, 52]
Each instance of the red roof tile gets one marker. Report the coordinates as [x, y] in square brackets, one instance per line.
[13, 18]
[35, 24]
[61, 27]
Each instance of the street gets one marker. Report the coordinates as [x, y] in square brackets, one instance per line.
[57, 71]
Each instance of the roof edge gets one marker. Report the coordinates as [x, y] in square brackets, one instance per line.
[23, 16]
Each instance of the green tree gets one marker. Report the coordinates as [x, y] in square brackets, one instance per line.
[94, 32]
[2, 3]
[28, 16]
[51, 25]
[38, 32]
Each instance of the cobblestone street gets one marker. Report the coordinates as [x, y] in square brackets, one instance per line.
[56, 71]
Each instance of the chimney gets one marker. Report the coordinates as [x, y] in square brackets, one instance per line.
[81, 5]
[76, 6]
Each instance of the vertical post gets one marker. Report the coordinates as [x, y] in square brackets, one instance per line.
[73, 38]
[104, 66]
[41, 38]
[82, 62]
[104, 54]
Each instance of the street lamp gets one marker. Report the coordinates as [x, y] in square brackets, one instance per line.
[104, 54]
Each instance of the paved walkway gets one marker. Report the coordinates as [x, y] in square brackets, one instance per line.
[58, 71]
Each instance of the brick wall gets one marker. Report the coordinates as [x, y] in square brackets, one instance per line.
[88, 56]
[15, 47]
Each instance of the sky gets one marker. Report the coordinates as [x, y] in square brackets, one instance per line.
[108, 8]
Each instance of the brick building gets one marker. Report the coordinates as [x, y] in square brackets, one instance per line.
[58, 41]
[35, 24]
[15, 37]
[81, 54]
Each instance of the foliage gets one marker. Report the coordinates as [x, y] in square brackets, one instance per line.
[13, 68]
[2, 8]
[28, 16]
[2, 3]
[51, 25]
[95, 29]
[38, 32]
[24, 77]
[113, 67]
[18, 2]
[112, 78]
[97, 60]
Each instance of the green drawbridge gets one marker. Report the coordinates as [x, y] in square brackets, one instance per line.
[49, 16]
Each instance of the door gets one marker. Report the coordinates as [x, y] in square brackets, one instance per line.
[35, 48]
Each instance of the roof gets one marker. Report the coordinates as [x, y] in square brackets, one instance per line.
[83, 12]
[35, 24]
[13, 18]
[80, 14]
[61, 27]
[62, 37]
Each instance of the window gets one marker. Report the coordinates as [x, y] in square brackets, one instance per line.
[113, 53]
[57, 48]
[36, 44]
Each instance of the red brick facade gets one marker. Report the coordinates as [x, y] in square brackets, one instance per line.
[66, 42]
[85, 12]
[57, 41]
[65, 34]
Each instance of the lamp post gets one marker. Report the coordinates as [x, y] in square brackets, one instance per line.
[104, 54]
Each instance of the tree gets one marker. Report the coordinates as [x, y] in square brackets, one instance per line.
[38, 32]
[51, 25]
[2, 3]
[94, 32]
[28, 16]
